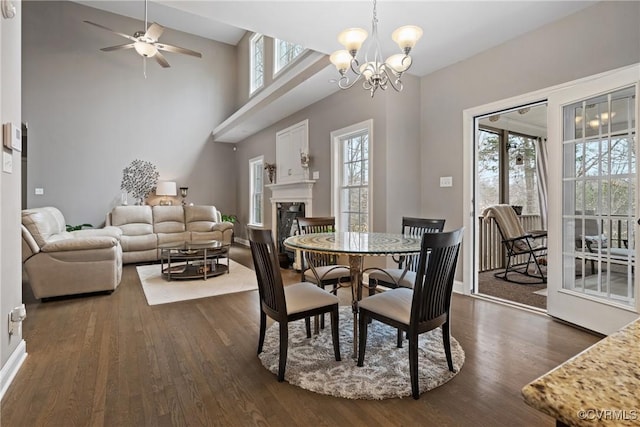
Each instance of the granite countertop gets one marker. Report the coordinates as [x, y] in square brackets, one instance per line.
[600, 386]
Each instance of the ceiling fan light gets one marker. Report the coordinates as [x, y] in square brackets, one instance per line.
[406, 37]
[352, 39]
[145, 49]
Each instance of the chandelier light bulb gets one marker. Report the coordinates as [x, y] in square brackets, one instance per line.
[341, 59]
[406, 37]
[369, 69]
[145, 49]
[352, 39]
[399, 62]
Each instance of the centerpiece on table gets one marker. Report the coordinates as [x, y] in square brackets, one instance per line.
[139, 179]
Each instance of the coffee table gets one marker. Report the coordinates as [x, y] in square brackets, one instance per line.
[193, 259]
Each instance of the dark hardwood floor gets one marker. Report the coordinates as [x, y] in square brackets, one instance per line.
[112, 360]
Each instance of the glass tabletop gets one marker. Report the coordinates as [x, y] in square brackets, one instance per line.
[193, 245]
[355, 243]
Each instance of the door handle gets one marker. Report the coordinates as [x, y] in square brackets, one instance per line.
[638, 221]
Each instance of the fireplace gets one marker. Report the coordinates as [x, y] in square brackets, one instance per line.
[288, 202]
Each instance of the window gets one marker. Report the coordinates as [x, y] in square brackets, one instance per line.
[257, 62]
[256, 170]
[507, 170]
[351, 183]
[285, 53]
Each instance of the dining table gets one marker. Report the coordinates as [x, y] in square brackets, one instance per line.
[355, 245]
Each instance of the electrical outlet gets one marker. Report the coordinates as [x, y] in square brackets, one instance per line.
[446, 181]
[39, 191]
[316, 175]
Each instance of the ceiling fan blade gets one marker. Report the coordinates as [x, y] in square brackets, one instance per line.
[161, 60]
[176, 49]
[119, 47]
[154, 31]
[109, 29]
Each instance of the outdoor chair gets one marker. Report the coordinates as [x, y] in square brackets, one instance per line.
[421, 309]
[517, 243]
[287, 304]
[405, 274]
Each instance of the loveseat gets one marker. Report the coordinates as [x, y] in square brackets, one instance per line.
[145, 227]
[58, 262]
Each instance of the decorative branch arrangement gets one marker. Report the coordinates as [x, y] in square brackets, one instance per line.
[139, 179]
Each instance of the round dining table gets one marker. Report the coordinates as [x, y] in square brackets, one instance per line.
[356, 245]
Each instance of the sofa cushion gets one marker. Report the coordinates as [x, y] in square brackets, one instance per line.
[200, 218]
[133, 220]
[43, 224]
[168, 219]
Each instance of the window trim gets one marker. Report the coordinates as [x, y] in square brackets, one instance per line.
[252, 163]
[336, 166]
[277, 71]
[252, 69]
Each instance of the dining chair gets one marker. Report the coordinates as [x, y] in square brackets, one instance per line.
[405, 274]
[286, 304]
[518, 242]
[423, 308]
[321, 269]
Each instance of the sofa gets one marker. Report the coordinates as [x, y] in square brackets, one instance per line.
[144, 228]
[58, 262]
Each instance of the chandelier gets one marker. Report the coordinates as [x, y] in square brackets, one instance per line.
[375, 72]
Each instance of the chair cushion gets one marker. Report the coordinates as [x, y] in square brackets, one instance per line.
[394, 304]
[305, 296]
[327, 272]
[407, 281]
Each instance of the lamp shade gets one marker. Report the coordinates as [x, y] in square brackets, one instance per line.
[399, 62]
[407, 37]
[166, 188]
[352, 38]
[341, 59]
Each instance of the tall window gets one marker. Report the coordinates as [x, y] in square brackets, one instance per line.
[256, 170]
[257, 62]
[352, 190]
[285, 53]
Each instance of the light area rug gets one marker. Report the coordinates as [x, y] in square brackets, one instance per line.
[160, 291]
[311, 364]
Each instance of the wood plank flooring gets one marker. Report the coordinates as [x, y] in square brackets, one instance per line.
[112, 360]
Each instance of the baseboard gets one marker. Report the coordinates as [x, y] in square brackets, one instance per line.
[11, 368]
[240, 241]
[458, 287]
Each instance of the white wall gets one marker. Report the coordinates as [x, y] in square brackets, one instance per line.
[91, 113]
[10, 265]
[600, 38]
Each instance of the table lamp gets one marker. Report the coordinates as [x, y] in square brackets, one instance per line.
[166, 188]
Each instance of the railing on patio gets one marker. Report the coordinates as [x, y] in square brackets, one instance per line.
[491, 249]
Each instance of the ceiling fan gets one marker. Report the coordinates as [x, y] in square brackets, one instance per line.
[146, 42]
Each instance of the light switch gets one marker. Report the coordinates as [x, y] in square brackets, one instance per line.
[39, 191]
[446, 181]
[7, 162]
[316, 174]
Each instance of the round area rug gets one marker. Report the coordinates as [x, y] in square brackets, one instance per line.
[311, 364]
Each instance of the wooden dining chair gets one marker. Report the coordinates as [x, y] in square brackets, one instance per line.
[286, 304]
[405, 274]
[321, 269]
[423, 308]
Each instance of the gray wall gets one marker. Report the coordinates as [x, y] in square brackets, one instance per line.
[90, 113]
[600, 38]
[10, 265]
[395, 170]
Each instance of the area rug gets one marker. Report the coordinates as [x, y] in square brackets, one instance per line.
[311, 364]
[160, 291]
[543, 292]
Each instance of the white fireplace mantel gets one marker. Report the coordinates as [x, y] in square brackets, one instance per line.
[291, 192]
